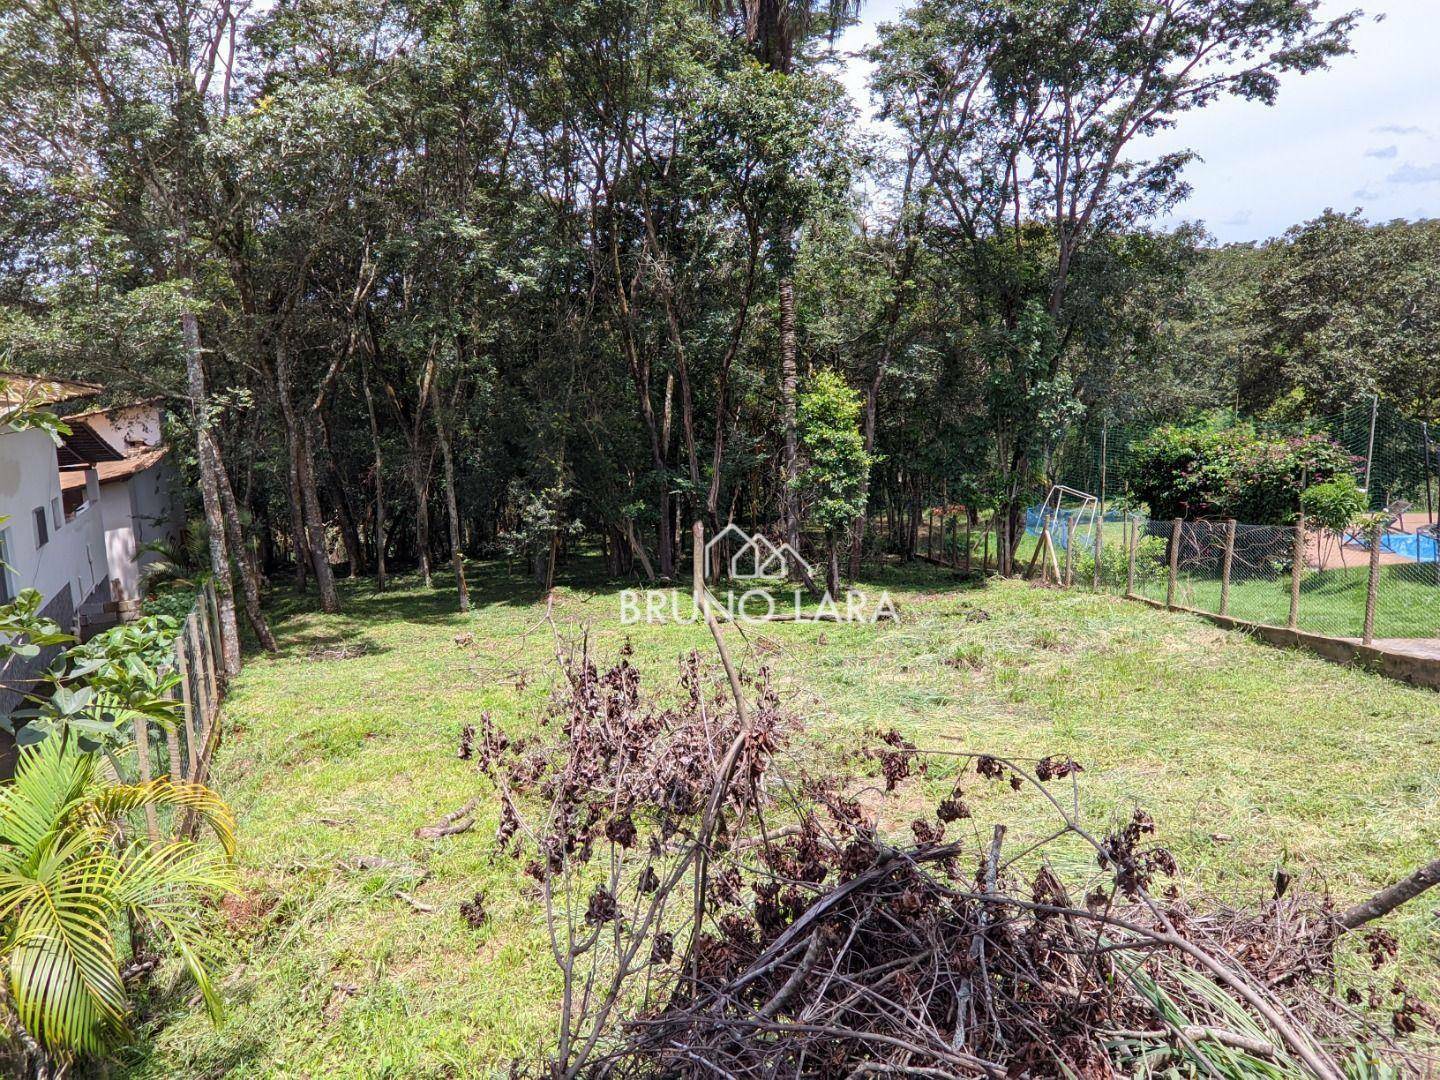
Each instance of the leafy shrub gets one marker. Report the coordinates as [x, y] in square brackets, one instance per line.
[1231, 472]
[1335, 504]
[1150, 561]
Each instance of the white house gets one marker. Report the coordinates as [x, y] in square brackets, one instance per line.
[74, 516]
[50, 541]
[139, 501]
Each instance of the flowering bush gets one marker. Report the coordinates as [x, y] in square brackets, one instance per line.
[1232, 472]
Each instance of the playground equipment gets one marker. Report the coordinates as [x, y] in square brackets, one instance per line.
[1067, 512]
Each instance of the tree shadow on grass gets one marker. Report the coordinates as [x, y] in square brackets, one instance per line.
[296, 619]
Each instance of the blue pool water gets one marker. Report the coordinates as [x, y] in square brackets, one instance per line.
[1411, 546]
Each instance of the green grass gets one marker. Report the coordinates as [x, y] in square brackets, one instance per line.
[1248, 757]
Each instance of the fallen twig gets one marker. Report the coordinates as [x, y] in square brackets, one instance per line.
[457, 821]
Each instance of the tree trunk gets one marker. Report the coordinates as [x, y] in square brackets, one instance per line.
[235, 537]
[301, 550]
[293, 454]
[457, 557]
[420, 486]
[790, 497]
[379, 479]
[857, 530]
[832, 570]
[315, 521]
[210, 496]
[349, 531]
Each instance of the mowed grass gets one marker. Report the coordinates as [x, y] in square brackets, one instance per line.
[1248, 757]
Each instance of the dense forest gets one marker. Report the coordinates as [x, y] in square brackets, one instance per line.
[432, 278]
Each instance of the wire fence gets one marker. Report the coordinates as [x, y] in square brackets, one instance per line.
[1394, 457]
[1314, 580]
[183, 750]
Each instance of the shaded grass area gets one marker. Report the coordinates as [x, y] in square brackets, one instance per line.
[1248, 757]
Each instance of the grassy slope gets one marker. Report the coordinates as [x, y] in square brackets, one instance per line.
[1328, 770]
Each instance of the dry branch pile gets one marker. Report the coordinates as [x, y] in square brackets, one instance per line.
[715, 911]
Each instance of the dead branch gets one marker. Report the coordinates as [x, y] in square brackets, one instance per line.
[1387, 900]
[457, 821]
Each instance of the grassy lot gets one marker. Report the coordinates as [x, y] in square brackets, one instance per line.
[1247, 756]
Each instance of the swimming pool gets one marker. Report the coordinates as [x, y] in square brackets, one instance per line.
[1411, 546]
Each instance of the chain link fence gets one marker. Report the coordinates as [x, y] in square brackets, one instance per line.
[1395, 458]
[1306, 579]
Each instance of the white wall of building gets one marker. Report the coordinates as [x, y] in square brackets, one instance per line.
[127, 427]
[74, 553]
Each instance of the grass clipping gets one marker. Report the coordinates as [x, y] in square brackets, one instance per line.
[717, 910]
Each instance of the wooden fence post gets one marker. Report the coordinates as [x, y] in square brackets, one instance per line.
[1372, 592]
[172, 745]
[1227, 566]
[1174, 564]
[210, 606]
[1297, 568]
[141, 726]
[1069, 547]
[1133, 526]
[1099, 540]
[182, 668]
[205, 685]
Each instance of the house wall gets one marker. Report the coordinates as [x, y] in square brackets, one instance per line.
[121, 544]
[75, 552]
[69, 570]
[142, 509]
[128, 427]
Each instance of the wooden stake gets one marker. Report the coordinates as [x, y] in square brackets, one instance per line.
[1069, 547]
[1297, 569]
[1174, 563]
[1134, 528]
[1227, 566]
[1372, 592]
[142, 753]
[186, 706]
[1039, 550]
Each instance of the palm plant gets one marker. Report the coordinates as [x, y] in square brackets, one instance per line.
[71, 875]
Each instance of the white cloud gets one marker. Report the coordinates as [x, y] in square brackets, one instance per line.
[1397, 129]
[1384, 153]
[1238, 220]
[1415, 174]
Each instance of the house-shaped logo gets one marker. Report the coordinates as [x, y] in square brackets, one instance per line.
[755, 558]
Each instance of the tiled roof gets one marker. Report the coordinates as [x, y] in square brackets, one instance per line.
[42, 389]
[113, 471]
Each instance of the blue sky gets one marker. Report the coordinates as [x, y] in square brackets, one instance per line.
[1364, 134]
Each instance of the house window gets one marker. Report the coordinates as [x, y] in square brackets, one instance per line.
[7, 588]
[57, 516]
[42, 528]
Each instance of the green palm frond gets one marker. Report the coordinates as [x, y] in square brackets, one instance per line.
[63, 975]
[65, 886]
[209, 807]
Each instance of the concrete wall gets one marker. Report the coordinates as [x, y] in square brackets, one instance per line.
[143, 509]
[75, 552]
[121, 544]
[128, 427]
